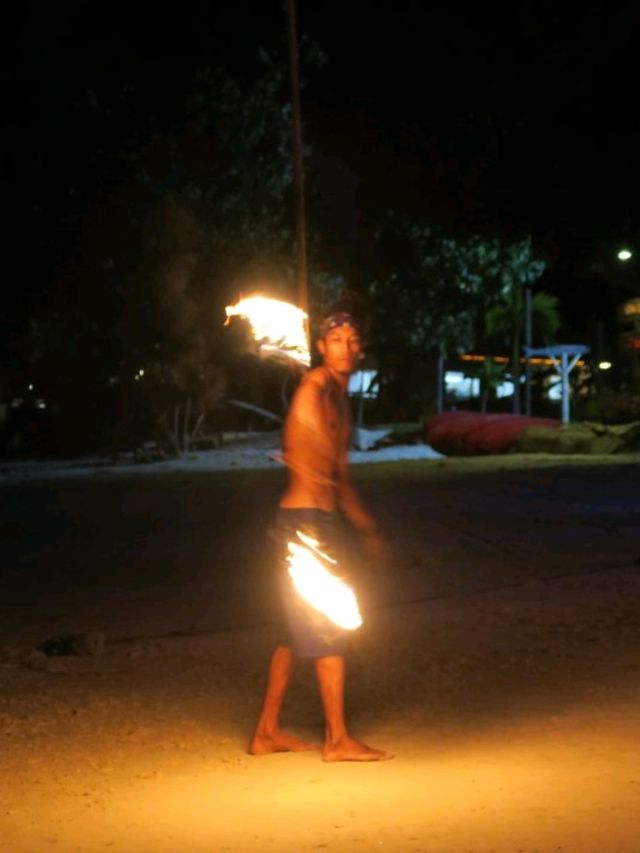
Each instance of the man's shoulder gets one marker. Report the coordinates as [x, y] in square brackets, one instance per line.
[310, 392]
[314, 382]
[318, 376]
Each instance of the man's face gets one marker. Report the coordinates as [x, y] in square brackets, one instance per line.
[341, 349]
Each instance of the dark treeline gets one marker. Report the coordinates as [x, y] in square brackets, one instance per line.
[147, 181]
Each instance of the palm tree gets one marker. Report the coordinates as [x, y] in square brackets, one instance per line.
[491, 376]
[506, 320]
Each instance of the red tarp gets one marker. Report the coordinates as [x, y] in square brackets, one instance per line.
[468, 433]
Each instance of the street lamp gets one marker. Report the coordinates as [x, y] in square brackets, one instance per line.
[624, 255]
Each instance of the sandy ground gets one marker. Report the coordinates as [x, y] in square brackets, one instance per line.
[500, 661]
[242, 452]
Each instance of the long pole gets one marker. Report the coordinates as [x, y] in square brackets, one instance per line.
[528, 331]
[298, 170]
[565, 387]
[516, 319]
[440, 385]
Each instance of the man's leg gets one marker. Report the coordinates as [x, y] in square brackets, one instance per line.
[268, 737]
[339, 746]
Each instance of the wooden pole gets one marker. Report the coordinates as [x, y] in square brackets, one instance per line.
[298, 169]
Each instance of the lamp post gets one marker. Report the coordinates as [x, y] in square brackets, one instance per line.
[564, 357]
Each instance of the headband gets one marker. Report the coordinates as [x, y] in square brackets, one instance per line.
[334, 321]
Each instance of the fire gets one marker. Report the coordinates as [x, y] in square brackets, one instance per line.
[319, 587]
[277, 326]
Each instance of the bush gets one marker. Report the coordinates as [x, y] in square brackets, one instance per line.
[613, 407]
[471, 433]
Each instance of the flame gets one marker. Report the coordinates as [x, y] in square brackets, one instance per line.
[319, 587]
[277, 326]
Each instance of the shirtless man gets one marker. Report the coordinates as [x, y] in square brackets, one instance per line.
[317, 435]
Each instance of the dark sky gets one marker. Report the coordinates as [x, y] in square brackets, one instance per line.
[511, 118]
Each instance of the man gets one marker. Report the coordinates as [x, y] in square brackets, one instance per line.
[317, 436]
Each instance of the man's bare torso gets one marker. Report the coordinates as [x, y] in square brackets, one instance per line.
[316, 440]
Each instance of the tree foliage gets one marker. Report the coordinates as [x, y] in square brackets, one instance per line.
[198, 210]
[501, 318]
[505, 319]
[437, 299]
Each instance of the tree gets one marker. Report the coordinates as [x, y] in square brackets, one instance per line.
[195, 210]
[433, 300]
[436, 298]
[506, 319]
[490, 373]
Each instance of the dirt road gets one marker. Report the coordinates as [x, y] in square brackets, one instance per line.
[500, 662]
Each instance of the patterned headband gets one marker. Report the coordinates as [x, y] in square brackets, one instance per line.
[335, 321]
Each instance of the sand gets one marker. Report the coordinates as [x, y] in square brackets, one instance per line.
[503, 672]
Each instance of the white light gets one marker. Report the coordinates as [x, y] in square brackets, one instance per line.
[554, 389]
[605, 365]
[460, 386]
[624, 255]
[30, 387]
[361, 382]
[504, 389]
[141, 372]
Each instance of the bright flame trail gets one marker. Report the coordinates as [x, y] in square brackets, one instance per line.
[319, 587]
[278, 327]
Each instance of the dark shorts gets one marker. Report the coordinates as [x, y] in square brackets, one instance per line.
[309, 633]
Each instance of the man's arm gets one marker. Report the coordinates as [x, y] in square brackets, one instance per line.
[352, 506]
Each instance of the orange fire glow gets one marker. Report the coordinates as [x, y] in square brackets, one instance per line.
[319, 587]
[278, 327]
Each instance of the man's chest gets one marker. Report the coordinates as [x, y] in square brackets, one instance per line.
[337, 418]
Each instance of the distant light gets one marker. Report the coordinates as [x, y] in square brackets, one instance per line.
[141, 372]
[30, 387]
[554, 389]
[624, 255]
[504, 389]
[362, 382]
[605, 365]
[461, 386]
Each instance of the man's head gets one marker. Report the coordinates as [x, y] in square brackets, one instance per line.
[340, 342]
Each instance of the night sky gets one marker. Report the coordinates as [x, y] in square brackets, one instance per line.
[506, 118]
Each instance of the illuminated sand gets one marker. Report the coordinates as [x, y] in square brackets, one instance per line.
[511, 733]
[510, 700]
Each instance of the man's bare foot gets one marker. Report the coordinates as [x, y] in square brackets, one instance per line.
[349, 749]
[263, 744]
